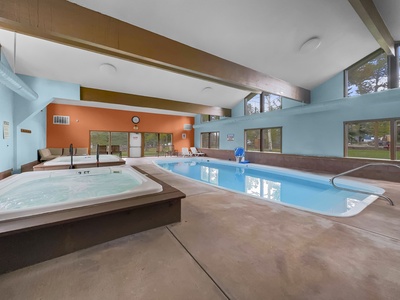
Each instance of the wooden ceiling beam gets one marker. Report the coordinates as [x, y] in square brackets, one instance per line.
[67, 23]
[96, 95]
[369, 14]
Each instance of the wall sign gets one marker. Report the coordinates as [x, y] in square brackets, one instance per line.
[6, 130]
[230, 137]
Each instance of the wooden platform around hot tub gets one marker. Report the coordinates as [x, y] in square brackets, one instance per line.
[43, 167]
[29, 240]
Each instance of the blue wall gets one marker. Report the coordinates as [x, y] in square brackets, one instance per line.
[6, 115]
[329, 90]
[31, 115]
[312, 129]
[21, 148]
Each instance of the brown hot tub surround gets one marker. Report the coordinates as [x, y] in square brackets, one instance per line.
[31, 239]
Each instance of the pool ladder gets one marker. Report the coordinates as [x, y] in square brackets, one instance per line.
[360, 191]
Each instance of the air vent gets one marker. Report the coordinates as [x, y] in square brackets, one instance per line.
[187, 126]
[61, 120]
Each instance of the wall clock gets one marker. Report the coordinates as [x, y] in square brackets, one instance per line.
[135, 120]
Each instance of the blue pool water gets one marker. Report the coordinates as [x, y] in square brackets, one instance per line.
[292, 188]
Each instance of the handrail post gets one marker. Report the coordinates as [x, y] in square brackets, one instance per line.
[332, 181]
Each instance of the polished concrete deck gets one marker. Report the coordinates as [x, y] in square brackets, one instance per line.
[230, 246]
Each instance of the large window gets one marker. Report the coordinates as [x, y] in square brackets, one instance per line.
[264, 139]
[369, 75]
[264, 102]
[210, 140]
[109, 139]
[157, 143]
[373, 139]
[209, 118]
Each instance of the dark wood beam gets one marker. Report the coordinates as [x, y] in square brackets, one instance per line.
[368, 13]
[67, 23]
[89, 94]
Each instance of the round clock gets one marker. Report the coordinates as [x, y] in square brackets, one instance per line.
[135, 120]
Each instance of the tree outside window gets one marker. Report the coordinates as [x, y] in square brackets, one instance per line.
[264, 140]
[370, 139]
[368, 77]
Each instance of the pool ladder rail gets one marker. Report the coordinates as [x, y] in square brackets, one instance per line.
[360, 191]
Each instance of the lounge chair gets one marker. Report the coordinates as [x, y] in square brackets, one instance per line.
[186, 152]
[45, 154]
[65, 152]
[81, 151]
[195, 152]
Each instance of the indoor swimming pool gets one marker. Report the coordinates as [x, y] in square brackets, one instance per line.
[297, 189]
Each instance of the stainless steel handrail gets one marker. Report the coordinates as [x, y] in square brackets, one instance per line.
[360, 191]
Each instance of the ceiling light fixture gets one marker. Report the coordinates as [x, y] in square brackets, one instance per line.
[14, 83]
[108, 69]
[206, 90]
[310, 45]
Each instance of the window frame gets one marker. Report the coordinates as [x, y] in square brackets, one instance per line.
[261, 147]
[393, 132]
[392, 66]
[261, 103]
[209, 118]
[208, 139]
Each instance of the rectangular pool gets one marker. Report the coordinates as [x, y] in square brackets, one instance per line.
[297, 189]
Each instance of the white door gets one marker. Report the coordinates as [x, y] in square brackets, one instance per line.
[135, 144]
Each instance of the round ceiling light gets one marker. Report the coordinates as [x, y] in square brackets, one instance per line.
[108, 69]
[206, 90]
[310, 45]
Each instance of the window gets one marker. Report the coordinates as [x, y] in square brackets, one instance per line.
[253, 105]
[271, 102]
[210, 140]
[109, 138]
[369, 75]
[156, 143]
[372, 139]
[264, 102]
[264, 140]
[209, 118]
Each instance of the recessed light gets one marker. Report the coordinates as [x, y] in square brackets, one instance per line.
[310, 45]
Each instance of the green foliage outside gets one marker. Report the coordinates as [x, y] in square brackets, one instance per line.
[381, 154]
[369, 77]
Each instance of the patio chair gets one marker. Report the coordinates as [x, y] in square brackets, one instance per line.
[186, 152]
[195, 152]
[160, 150]
[171, 151]
[103, 149]
[115, 150]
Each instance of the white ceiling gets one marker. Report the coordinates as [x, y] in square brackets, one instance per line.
[264, 35]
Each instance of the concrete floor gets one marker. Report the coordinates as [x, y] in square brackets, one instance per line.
[230, 246]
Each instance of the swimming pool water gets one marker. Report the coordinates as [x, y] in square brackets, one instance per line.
[293, 188]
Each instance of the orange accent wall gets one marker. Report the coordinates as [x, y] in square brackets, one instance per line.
[84, 119]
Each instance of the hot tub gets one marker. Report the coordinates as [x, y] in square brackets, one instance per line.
[32, 193]
[47, 214]
[84, 161]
